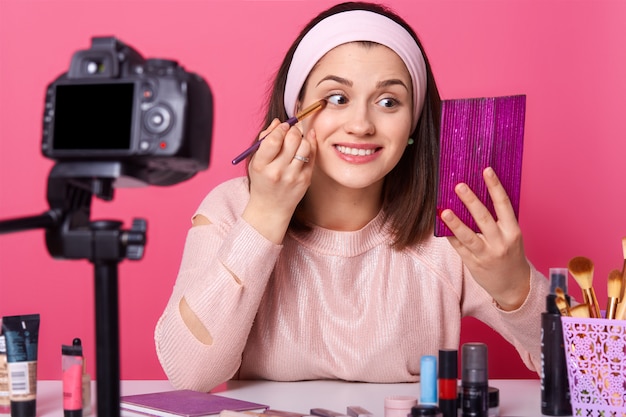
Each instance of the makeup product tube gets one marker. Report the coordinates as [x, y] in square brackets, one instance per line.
[72, 367]
[474, 381]
[555, 395]
[324, 412]
[428, 380]
[22, 336]
[5, 403]
[358, 411]
[448, 381]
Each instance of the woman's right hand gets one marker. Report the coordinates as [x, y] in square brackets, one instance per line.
[278, 181]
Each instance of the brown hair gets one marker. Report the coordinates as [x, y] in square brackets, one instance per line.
[409, 193]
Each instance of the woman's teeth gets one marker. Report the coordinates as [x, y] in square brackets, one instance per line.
[354, 151]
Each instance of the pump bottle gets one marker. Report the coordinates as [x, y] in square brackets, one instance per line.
[555, 395]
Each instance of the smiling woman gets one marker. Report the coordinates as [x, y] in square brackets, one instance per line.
[321, 263]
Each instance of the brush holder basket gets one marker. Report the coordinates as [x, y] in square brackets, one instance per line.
[595, 351]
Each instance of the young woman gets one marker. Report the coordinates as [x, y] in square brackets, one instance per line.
[321, 263]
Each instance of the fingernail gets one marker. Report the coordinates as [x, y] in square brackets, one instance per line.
[462, 188]
[489, 172]
[446, 215]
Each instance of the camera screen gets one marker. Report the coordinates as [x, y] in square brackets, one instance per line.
[93, 116]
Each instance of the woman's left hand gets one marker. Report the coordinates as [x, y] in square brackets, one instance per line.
[495, 257]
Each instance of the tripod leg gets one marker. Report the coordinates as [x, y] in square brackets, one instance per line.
[107, 338]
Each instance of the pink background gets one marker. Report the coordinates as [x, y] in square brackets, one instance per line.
[568, 57]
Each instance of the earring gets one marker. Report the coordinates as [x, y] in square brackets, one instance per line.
[411, 141]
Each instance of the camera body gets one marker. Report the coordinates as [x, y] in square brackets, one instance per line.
[149, 116]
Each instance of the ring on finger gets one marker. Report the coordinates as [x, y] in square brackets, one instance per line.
[301, 158]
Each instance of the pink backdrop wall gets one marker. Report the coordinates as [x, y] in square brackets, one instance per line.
[567, 57]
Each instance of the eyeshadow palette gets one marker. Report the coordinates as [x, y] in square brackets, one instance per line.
[477, 133]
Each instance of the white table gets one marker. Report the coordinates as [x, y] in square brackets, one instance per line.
[518, 398]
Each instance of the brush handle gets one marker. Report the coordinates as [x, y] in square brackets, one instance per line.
[623, 291]
[590, 298]
[620, 313]
[291, 121]
[611, 308]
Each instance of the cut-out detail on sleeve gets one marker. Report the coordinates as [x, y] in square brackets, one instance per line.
[200, 220]
[232, 274]
[194, 324]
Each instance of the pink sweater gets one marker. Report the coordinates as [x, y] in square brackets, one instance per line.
[323, 305]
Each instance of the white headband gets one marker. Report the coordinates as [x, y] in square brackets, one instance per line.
[352, 26]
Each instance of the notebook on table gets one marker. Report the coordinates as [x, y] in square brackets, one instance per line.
[183, 403]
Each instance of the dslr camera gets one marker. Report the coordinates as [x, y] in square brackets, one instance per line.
[150, 119]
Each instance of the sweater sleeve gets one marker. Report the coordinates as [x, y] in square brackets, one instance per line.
[224, 270]
[521, 327]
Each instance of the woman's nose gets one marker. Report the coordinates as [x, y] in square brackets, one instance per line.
[359, 120]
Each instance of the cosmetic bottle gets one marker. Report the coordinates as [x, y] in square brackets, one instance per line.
[447, 376]
[474, 380]
[428, 380]
[555, 395]
[5, 403]
[72, 367]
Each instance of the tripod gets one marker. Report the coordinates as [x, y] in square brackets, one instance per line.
[70, 234]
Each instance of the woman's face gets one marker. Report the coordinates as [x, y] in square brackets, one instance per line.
[364, 129]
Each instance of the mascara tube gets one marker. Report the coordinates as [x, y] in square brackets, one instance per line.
[474, 380]
[555, 395]
[447, 380]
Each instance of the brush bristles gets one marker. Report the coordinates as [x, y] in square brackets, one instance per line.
[561, 304]
[580, 311]
[581, 269]
[614, 284]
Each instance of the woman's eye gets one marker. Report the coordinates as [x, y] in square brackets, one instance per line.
[336, 99]
[388, 102]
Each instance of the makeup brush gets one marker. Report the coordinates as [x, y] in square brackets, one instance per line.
[623, 290]
[581, 311]
[318, 105]
[563, 307]
[581, 269]
[620, 313]
[614, 288]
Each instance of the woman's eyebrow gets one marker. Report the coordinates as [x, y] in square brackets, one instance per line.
[380, 84]
[337, 79]
[390, 82]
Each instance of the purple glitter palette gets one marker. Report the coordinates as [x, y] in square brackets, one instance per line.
[477, 133]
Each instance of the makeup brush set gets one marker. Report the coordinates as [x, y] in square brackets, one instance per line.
[582, 269]
[595, 344]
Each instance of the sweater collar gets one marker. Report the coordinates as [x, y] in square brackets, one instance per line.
[345, 244]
